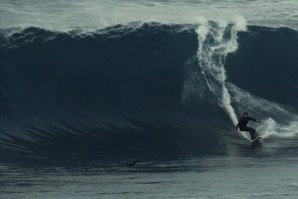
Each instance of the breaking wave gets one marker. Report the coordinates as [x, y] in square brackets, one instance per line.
[154, 90]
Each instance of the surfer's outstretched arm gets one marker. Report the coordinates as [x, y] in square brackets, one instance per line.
[252, 119]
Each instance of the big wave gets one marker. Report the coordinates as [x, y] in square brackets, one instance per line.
[143, 89]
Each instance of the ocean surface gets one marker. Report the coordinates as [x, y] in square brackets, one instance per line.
[139, 99]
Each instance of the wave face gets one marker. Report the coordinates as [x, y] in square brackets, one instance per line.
[143, 90]
[266, 64]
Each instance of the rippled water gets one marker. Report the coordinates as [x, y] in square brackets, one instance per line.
[264, 171]
[206, 177]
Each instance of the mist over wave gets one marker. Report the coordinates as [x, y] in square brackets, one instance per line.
[149, 88]
[92, 14]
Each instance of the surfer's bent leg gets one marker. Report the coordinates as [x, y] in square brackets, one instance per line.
[251, 131]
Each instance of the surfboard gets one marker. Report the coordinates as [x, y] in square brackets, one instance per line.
[257, 140]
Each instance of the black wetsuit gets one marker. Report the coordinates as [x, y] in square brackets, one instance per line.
[242, 126]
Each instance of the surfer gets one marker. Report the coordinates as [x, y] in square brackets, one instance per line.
[243, 122]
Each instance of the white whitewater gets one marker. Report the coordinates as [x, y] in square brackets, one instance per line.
[216, 41]
[214, 46]
[265, 108]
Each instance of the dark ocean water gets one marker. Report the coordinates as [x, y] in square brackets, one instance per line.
[78, 106]
[122, 90]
